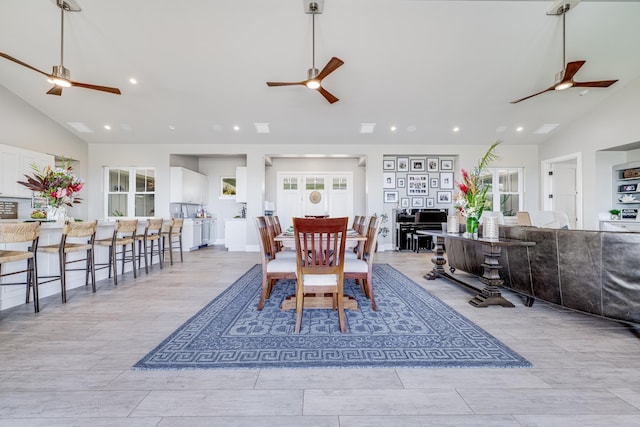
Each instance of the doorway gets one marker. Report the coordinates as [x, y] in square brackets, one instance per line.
[562, 187]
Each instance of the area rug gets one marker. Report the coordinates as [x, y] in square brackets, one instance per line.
[411, 328]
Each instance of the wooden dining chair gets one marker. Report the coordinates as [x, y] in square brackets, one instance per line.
[320, 247]
[150, 237]
[360, 227]
[122, 237]
[277, 250]
[273, 269]
[361, 268]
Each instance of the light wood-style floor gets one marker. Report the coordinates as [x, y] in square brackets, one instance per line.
[70, 365]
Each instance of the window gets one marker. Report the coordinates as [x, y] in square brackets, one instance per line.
[506, 193]
[130, 192]
[315, 183]
[339, 183]
[290, 183]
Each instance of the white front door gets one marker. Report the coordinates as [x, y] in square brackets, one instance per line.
[321, 193]
[563, 191]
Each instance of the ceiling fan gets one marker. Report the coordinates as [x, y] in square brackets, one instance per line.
[564, 79]
[60, 76]
[314, 80]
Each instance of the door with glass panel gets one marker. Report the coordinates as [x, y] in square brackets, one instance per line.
[316, 194]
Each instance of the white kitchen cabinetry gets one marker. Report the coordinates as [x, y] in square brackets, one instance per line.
[191, 234]
[235, 234]
[241, 184]
[15, 163]
[186, 186]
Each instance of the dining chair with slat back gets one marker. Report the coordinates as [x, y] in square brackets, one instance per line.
[320, 247]
[172, 235]
[276, 249]
[25, 234]
[361, 269]
[360, 227]
[273, 269]
[76, 237]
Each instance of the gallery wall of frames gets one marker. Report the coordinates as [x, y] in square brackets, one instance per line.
[419, 182]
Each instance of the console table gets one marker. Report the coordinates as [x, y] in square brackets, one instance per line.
[491, 250]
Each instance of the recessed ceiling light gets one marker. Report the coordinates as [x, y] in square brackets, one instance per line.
[172, 127]
[456, 129]
[546, 128]
[393, 128]
[236, 128]
[80, 127]
[133, 81]
[107, 127]
[367, 127]
[519, 129]
[262, 127]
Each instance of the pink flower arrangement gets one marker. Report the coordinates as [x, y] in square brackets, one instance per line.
[471, 198]
[58, 185]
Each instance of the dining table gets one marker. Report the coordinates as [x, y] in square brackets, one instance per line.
[288, 240]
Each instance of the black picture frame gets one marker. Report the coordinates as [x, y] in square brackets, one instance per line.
[417, 185]
[417, 202]
[417, 165]
[446, 180]
[391, 197]
[401, 182]
[431, 202]
[444, 197]
[434, 182]
[388, 165]
[433, 165]
[446, 165]
[403, 164]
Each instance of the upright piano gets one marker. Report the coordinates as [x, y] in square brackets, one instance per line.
[430, 219]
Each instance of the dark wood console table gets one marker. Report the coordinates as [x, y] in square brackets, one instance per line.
[491, 249]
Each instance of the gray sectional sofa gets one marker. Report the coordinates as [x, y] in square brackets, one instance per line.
[595, 272]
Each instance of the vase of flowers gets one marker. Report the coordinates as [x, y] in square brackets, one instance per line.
[59, 186]
[471, 197]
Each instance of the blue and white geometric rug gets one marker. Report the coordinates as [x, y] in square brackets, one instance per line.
[411, 328]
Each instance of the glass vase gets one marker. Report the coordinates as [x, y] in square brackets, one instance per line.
[472, 227]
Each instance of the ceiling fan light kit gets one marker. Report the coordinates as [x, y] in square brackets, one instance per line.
[61, 76]
[314, 78]
[564, 79]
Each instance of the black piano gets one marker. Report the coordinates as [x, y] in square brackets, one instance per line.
[408, 223]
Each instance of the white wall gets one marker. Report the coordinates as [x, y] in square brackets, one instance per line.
[613, 123]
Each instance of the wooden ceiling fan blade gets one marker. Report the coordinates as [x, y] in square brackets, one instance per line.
[113, 90]
[270, 84]
[24, 64]
[56, 90]
[531, 96]
[333, 64]
[328, 96]
[571, 69]
[600, 83]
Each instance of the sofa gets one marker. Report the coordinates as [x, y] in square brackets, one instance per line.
[595, 272]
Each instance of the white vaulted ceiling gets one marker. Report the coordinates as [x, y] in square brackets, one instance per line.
[422, 66]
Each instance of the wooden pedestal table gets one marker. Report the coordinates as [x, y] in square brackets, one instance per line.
[491, 249]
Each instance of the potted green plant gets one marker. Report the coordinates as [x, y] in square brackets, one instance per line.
[615, 213]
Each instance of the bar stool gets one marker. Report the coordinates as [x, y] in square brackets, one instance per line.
[23, 232]
[123, 233]
[146, 241]
[76, 237]
[172, 233]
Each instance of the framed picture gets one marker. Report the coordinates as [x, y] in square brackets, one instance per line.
[432, 165]
[446, 165]
[446, 180]
[417, 185]
[417, 202]
[433, 183]
[403, 164]
[401, 183]
[444, 197]
[391, 197]
[228, 187]
[404, 202]
[417, 165]
[389, 180]
[388, 165]
[431, 202]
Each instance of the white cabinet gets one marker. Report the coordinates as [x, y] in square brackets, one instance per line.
[186, 186]
[241, 184]
[191, 234]
[15, 163]
[235, 234]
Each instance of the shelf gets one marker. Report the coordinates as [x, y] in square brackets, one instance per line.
[629, 203]
[629, 179]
